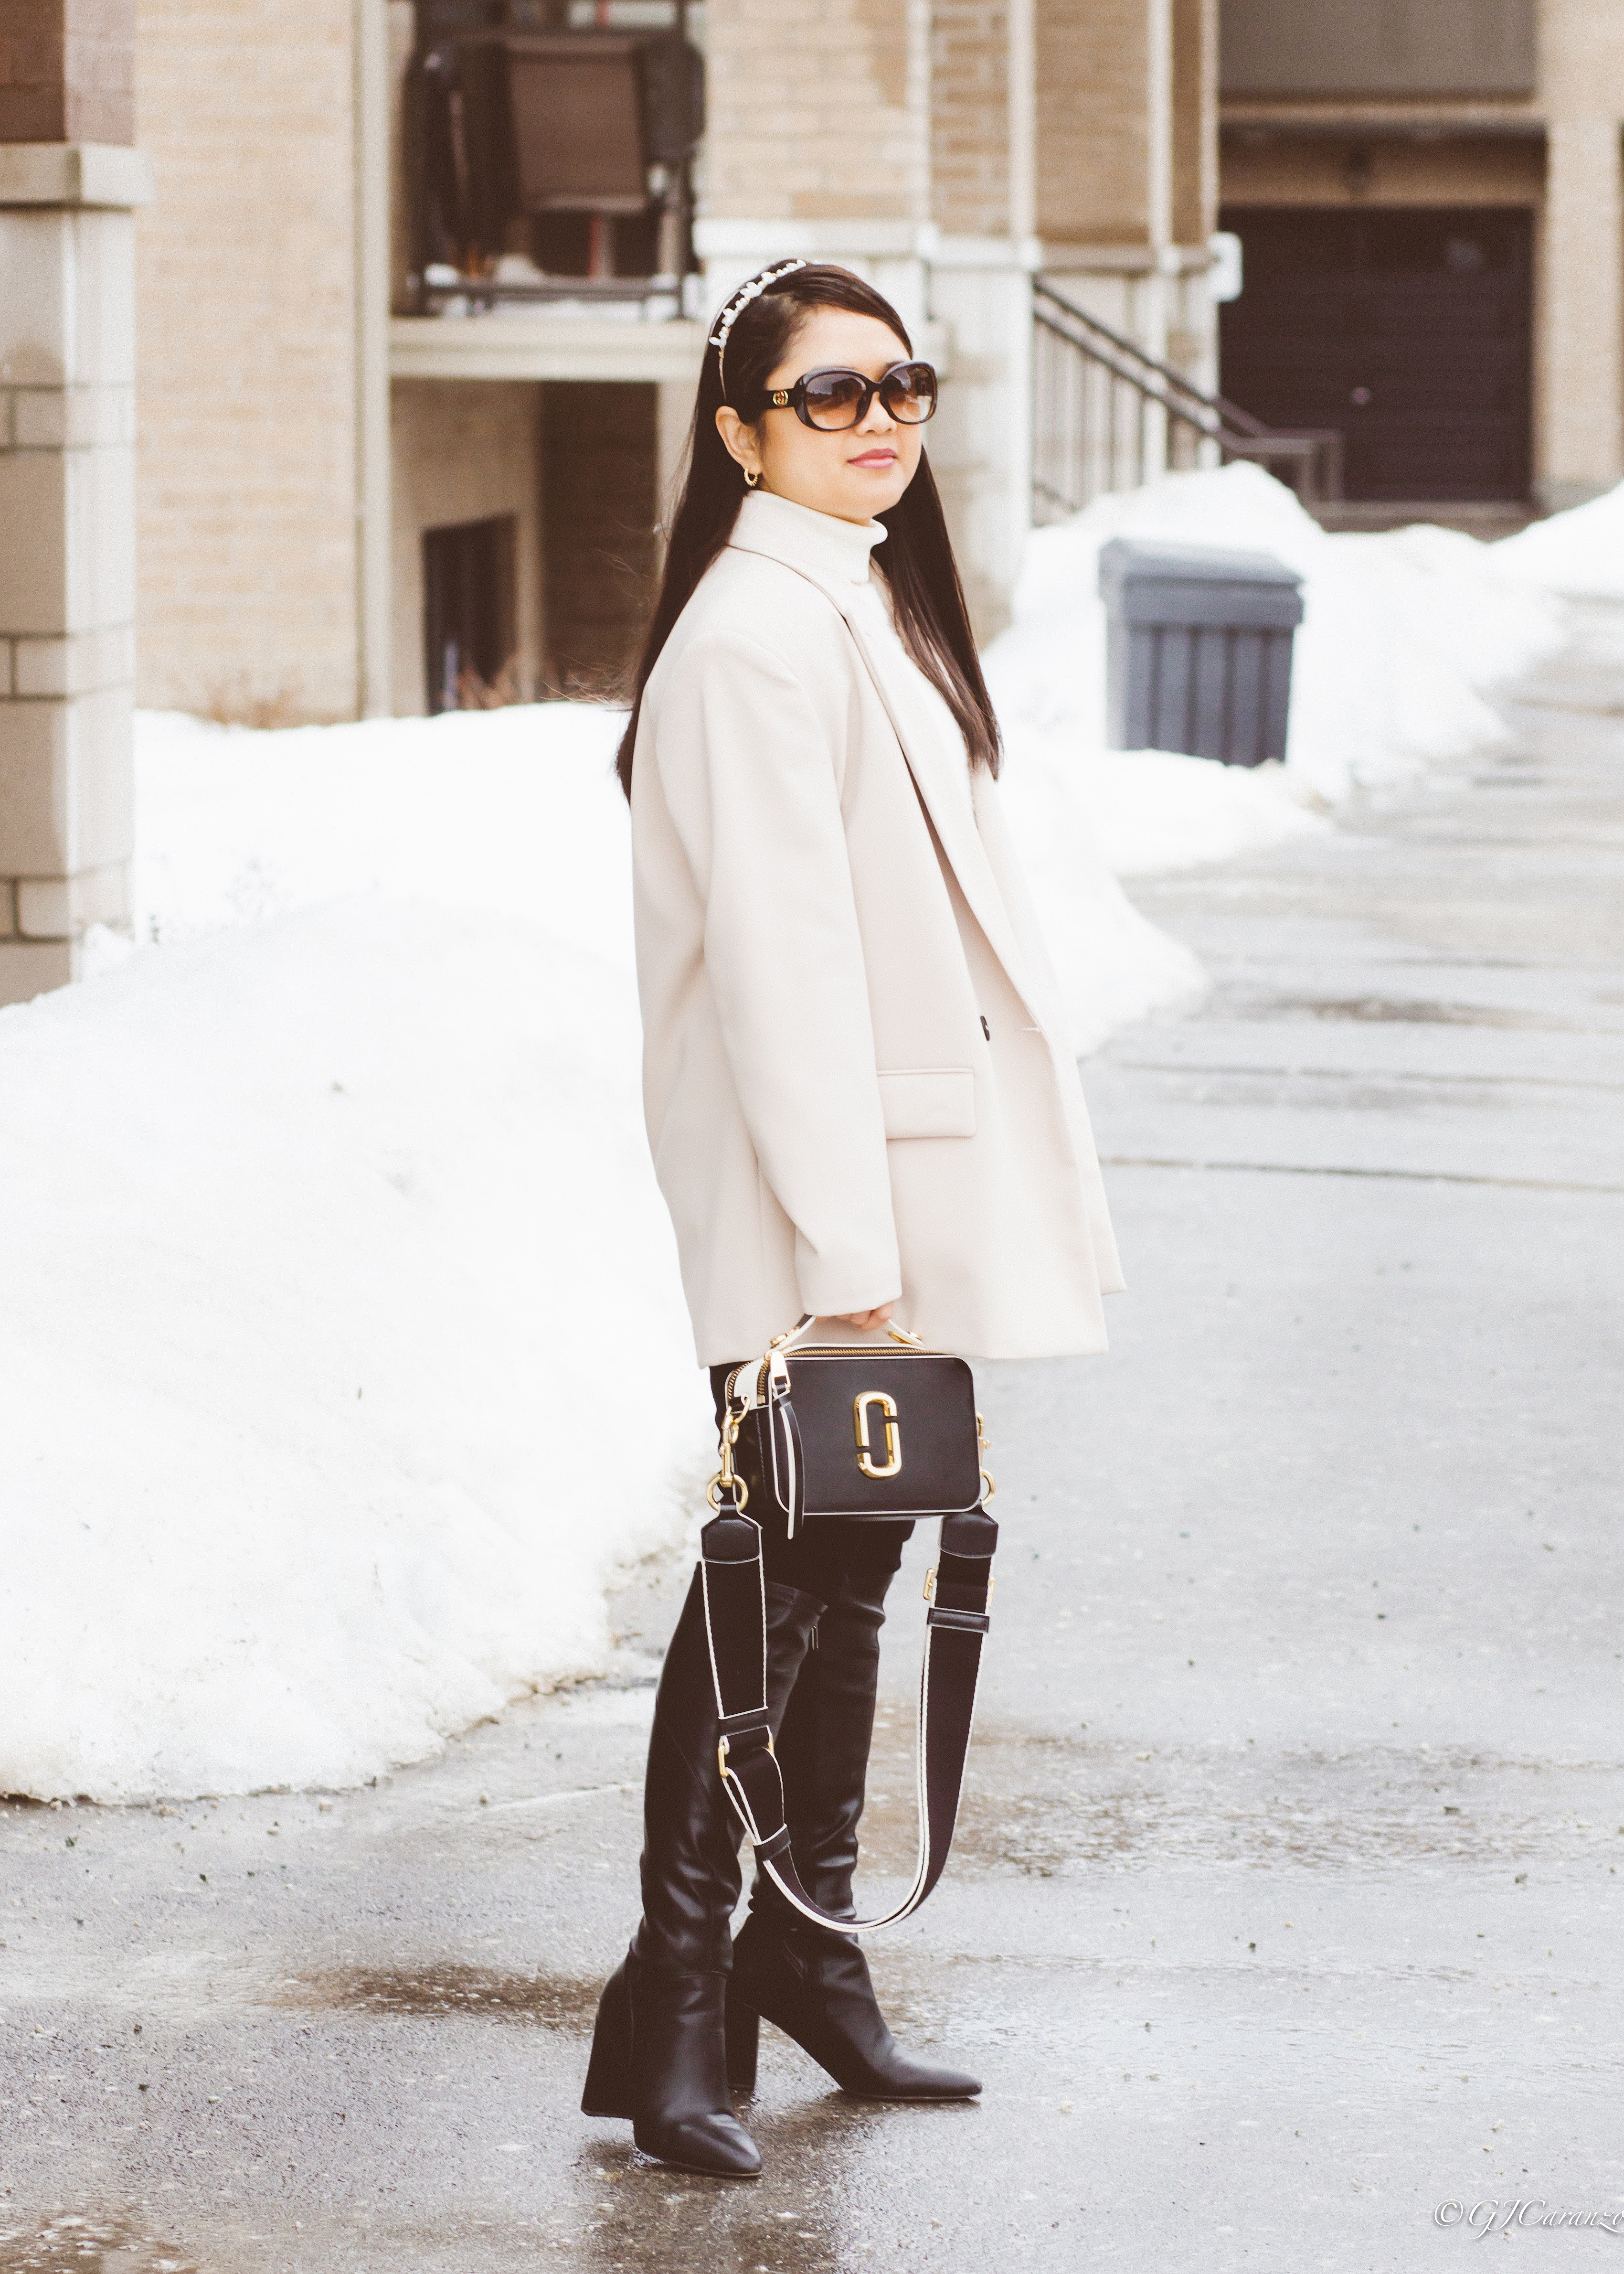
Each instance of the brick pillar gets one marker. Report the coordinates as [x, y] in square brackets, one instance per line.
[986, 177]
[67, 374]
[819, 142]
[1580, 449]
[67, 71]
[1127, 133]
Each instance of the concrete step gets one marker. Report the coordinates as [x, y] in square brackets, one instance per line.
[1486, 522]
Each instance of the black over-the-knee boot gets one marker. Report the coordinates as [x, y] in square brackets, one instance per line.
[809, 1982]
[658, 2051]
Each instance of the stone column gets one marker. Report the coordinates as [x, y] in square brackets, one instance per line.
[1193, 316]
[985, 128]
[1582, 434]
[819, 144]
[68, 185]
[1580, 442]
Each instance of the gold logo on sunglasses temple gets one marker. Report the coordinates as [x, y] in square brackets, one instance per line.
[833, 399]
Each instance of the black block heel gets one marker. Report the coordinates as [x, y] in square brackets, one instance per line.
[609, 2073]
[743, 2045]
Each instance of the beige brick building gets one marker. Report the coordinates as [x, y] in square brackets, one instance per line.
[246, 295]
[412, 360]
[304, 422]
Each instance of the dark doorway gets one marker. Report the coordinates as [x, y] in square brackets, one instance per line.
[599, 474]
[467, 612]
[1408, 328]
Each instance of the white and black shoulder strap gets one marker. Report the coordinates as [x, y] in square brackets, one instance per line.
[959, 1593]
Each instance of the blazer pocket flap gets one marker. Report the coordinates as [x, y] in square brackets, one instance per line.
[928, 1102]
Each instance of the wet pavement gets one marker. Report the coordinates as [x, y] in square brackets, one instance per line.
[1285, 1907]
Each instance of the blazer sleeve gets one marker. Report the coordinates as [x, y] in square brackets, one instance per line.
[750, 782]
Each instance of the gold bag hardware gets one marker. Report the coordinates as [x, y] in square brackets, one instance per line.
[893, 1436]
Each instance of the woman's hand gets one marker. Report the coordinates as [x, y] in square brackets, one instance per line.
[863, 1320]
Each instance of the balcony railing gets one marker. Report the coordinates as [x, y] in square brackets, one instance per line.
[1107, 415]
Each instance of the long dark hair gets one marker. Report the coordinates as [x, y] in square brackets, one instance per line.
[916, 553]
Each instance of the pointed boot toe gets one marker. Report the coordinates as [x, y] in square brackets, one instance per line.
[683, 2113]
[656, 2057]
[715, 2144]
[901, 2077]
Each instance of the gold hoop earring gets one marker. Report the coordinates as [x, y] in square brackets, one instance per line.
[752, 475]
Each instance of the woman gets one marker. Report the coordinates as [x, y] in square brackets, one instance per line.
[860, 1101]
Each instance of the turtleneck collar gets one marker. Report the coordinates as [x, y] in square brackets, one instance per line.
[818, 543]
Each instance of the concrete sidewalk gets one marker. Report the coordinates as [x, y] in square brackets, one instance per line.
[1285, 1906]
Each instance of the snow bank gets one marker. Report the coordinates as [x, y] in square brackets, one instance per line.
[514, 812]
[1579, 554]
[1403, 635]
[322, 1236]
[1115, 966]
[326, 1213]
[1145, 812]
[237, 825]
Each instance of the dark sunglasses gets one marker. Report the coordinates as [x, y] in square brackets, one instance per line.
[833, 399]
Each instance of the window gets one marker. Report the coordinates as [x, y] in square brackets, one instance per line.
[467, 612]
[598, 509]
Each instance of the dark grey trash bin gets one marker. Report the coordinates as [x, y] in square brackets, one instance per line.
[1198, 649]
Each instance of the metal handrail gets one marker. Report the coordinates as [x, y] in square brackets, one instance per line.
[1108, 415]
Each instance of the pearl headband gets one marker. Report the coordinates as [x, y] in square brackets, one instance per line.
[737, 306]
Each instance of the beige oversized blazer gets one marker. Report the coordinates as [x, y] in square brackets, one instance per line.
[855, 1073]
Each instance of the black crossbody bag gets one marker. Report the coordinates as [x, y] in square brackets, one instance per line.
[818, 1433]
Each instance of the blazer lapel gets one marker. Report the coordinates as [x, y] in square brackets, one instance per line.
[791, 537]
[942, 781]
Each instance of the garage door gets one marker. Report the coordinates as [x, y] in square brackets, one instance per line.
[1409, 329]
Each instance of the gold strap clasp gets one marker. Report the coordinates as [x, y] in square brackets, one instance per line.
[727, 1478]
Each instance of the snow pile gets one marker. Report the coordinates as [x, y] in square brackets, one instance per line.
[1115, 966]
[1402, 634]
[1579, 554]
[323, 1238]
[325, 1220]
[1144, 812]
[239, 826]
[514, 811]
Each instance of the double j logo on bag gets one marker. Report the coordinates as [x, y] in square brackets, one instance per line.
[887, 1407]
